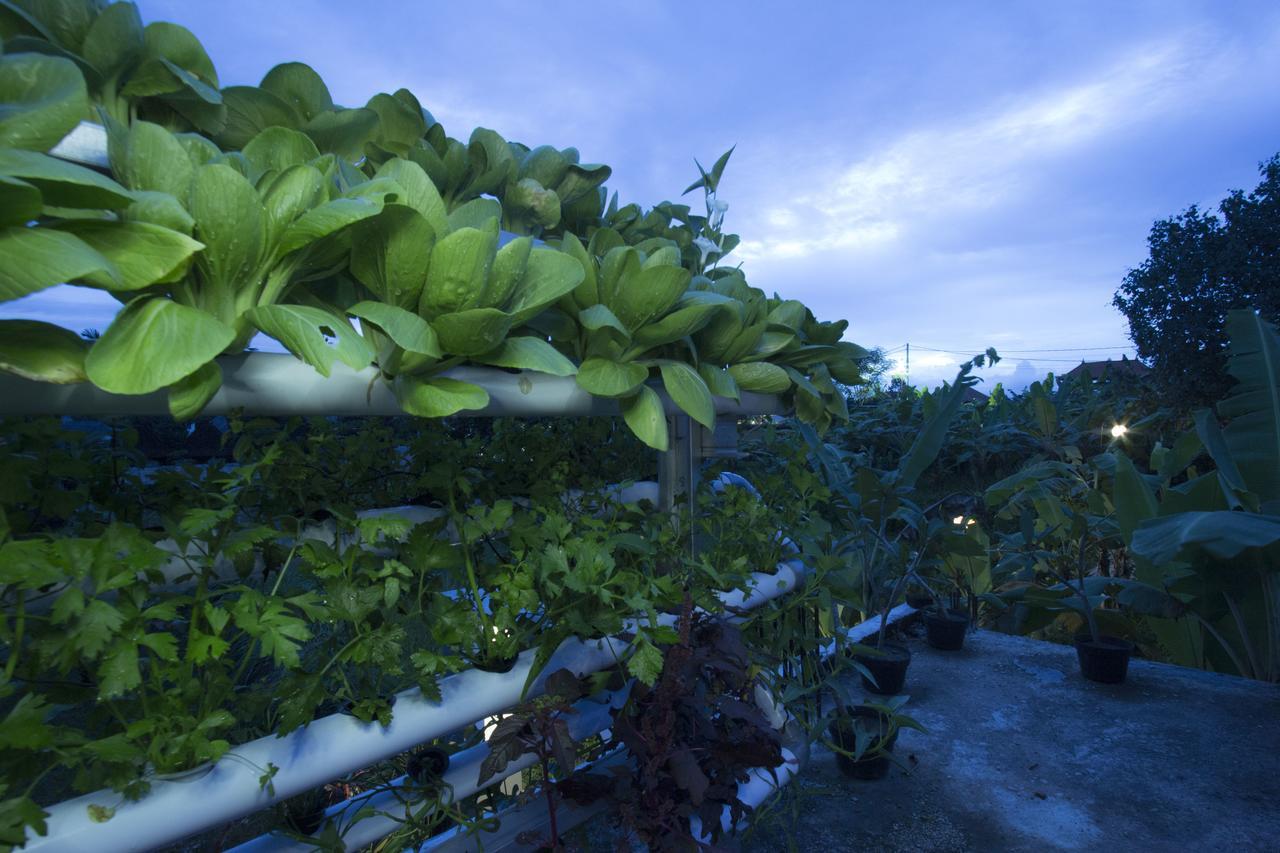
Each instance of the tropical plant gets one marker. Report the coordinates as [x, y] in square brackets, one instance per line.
[886, 538]
[1212, 537]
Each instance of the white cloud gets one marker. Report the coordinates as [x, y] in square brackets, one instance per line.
[974, 163]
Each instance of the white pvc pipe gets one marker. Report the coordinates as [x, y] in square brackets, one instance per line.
[331, 747]
[86, 144]
[277, 384]
[592, 718]
[862, 630]
[753, 792]
[309, 757]
[463, 777]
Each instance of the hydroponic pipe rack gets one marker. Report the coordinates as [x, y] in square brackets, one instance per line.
[279, 385]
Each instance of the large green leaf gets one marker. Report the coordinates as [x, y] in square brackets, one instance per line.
[600, 317]
[20, 202]
[471, 332]
[148, 157]
[1135, 501]
[390, 254]
[32, 259]
[189, 395]
[143, 254]
[328, 218]
[304, 331]
[648, 294]
[677, 325]
[719, 381]
[42, 352]
[42, 98]
[1253, 409]
[159, 208]
[528, 353]
[531, 201]
[288, 196]
[548, 276]
[643, 413]
[230, 222]
[933, 433]
[300, 87]
[459, 271]
[159, 76]
[419, 192]
[1224, 534]
[177, 45]
[277, 148]
[605, 378]
[64, 184]
[689, 392]
[477, 213]
[1234, 488]
[64, 22]
[114, 40]
[153, 343]
[250, 111]
[343, 132]
[760, 377]
[400, 124]
[438, 396]
[406, 329]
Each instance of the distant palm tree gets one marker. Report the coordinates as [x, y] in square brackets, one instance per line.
[90, 334]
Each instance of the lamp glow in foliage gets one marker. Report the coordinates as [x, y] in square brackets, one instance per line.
[1215, 537]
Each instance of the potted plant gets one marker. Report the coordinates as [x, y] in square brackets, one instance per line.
[1059, 562]
[889, 536]
[965, 569]
[864, 736]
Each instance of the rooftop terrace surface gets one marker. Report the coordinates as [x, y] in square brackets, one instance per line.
[1022, 753]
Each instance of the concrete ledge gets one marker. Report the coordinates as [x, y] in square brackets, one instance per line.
[1023, 754]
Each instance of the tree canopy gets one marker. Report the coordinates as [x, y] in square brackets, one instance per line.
[1201, 266]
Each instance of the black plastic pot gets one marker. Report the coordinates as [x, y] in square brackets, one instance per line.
[305, 814]
[428, 766]
[874, 763]
[498, 665]
[349, 706]
[945, 629]
[1105, 659]
[888, 665]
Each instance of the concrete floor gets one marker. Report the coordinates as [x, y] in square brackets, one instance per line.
[1023, 754]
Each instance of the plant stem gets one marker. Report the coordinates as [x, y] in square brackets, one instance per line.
[1235, 659]
[19, 627]
[486, 626]
[1244, 633]
[551, 803]
[1088, 608]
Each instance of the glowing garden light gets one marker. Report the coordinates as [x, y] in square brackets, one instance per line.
[1119, 430]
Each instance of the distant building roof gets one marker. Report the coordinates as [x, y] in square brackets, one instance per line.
[973, 395]
[1098, 369]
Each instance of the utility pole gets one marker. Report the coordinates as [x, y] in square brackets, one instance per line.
[908, 363]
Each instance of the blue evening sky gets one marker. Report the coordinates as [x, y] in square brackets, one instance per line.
[953, 174]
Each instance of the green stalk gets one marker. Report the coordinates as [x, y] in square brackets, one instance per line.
[1243, 630]
[488, 628]
[1231, 653]
[18, 629]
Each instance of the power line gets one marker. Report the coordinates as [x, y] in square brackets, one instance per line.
[1018, 351]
